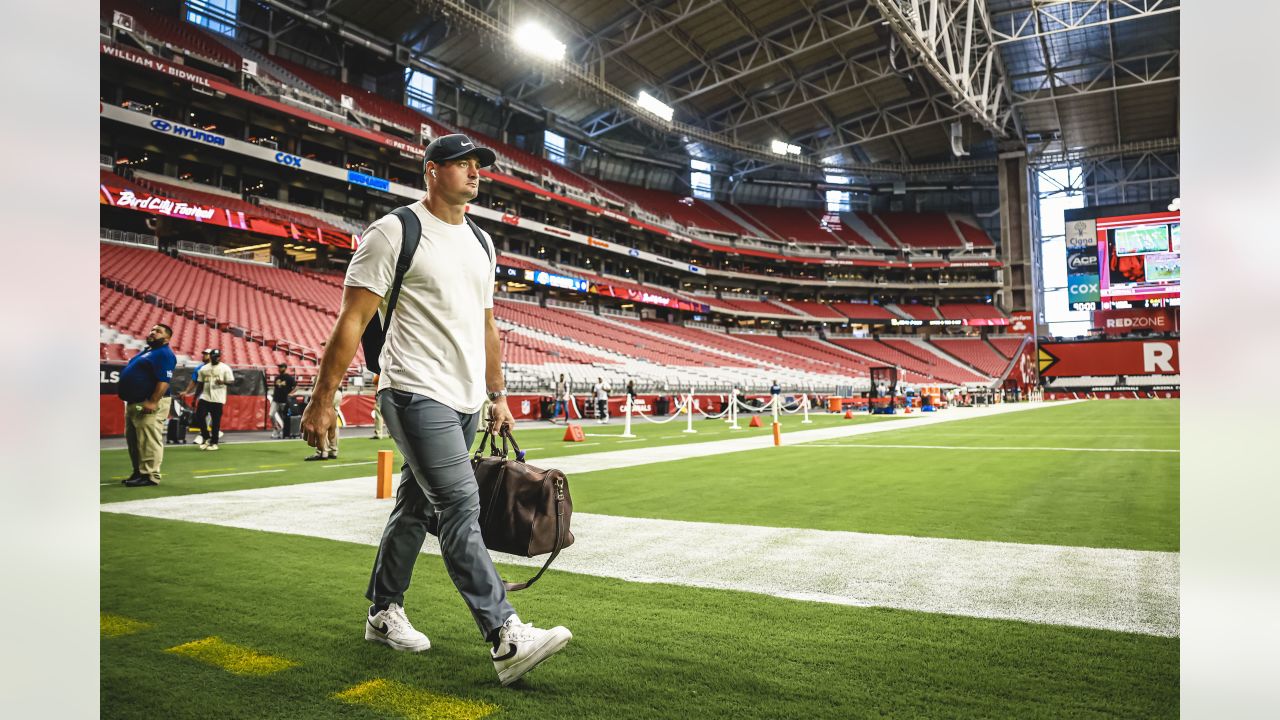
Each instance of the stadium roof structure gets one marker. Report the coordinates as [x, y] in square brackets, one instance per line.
[871, 86]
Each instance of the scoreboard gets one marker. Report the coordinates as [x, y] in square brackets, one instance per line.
[1124, 261]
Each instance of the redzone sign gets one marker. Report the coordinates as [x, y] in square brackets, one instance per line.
[1123, 322]
[1110, 357]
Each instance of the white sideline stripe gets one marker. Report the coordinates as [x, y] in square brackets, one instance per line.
[970, 447]
[1122, 590]
[613, 459]
[251, 472]
[365, 462]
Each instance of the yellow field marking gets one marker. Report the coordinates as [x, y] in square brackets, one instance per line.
[389, 696]
[117, 625]
[232, 658]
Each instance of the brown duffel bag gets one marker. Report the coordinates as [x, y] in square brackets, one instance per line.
[524, 510]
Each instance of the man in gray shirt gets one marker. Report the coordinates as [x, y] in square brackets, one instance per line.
[441, 352]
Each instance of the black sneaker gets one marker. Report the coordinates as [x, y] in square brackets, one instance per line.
[140, 481]
[134, 476]
[317, 456]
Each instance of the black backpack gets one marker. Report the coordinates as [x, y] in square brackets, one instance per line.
[375, 333]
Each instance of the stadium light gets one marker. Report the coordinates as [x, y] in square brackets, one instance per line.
[655, 106]
[781, 148]
[539, 42]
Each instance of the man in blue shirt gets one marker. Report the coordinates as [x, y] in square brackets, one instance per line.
[144, 387]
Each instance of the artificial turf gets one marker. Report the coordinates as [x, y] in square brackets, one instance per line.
[1056, 497]
[639, 650]
[186, 468]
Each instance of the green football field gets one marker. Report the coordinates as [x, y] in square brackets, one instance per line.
[210, 621]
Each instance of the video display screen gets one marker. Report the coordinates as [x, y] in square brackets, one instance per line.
[1140, 257]
[1142, 239]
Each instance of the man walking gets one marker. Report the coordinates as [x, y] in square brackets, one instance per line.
[281, 389]
[214, 377]
[144, 386]
[442, 350]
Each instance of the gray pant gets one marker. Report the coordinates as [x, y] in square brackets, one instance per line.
[436, 477]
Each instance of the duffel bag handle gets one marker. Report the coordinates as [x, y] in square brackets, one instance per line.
[491, 441]
[507, 435]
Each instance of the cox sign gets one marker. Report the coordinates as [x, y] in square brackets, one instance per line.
[286, 159]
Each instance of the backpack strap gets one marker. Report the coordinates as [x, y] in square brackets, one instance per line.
[412, 227]
[479, 235]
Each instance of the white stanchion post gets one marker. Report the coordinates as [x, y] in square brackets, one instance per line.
[806, 420]
[689, 409]
[733, 410]
[777, 400]
[626, 429]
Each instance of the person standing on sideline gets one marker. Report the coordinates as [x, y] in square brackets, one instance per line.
[631, 392]
[214, 379]
[194, 391]
[328, 450]
[379, 426]
[562, 397]
[442, 350]
[144, 387]
[600, 392]
[281, 389]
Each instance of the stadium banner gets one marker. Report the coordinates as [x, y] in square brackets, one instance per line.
[246, 407]
[1109, 357]
[213, 215]
[1022, 323]
[649, 298]
[1124, 322]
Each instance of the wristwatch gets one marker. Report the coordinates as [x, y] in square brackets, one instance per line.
[497, 394]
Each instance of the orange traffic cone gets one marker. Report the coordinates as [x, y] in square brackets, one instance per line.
[755, 421]
[848, 414]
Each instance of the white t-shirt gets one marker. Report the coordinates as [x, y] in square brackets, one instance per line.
[209, 372]
[435, 345]
[601, 392]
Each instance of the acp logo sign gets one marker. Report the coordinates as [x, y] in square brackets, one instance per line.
[1082, 263]
[189, 133]
[288, 160]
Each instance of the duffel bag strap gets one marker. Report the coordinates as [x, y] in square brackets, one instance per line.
[513, 587]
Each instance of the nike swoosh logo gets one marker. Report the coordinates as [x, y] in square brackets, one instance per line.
[508, 655]
[382, 629]
[467, 144]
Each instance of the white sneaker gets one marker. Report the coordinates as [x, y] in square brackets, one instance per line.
[392, 628]
[211, 447]
[522, 646]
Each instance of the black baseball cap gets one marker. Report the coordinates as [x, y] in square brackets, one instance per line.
[452, 147]
[215, 354]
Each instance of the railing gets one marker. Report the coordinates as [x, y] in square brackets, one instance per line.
[128, 238]
[569, 306]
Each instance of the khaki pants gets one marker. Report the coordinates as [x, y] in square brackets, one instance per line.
[144, 433]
